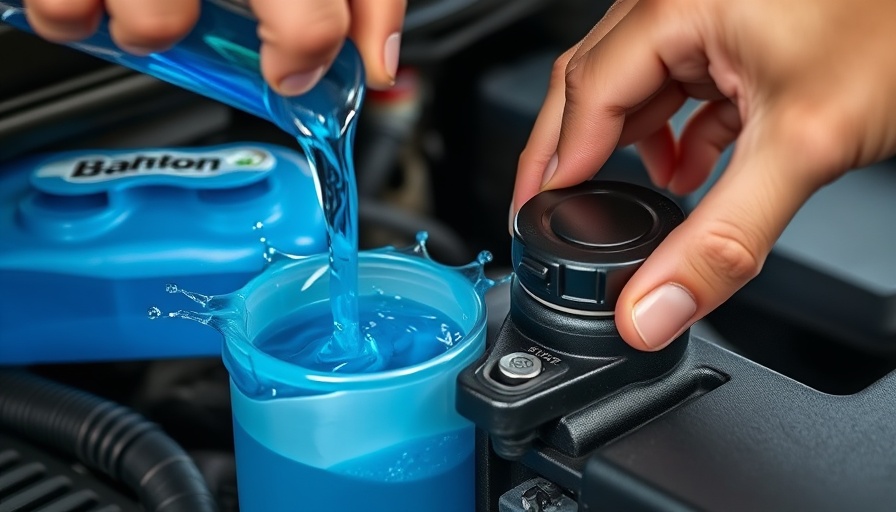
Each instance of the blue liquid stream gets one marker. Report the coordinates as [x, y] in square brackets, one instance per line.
[332, 159]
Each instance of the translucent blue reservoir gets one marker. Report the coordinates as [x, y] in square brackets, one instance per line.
[88, 238]
[387, 440]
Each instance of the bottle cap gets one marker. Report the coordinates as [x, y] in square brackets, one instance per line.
[575, 248]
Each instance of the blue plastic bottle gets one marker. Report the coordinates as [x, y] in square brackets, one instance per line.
[88, 240]
[219, 59]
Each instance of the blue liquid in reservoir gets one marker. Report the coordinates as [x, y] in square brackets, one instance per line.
[377, 334]
[401, 333]
[431, 474]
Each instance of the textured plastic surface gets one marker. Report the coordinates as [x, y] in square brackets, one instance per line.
[760, 442]
[833, 269]
[577, 247]
[303, 438]
[219, 59]
[89, 239]
[584, 360]
[32, 477]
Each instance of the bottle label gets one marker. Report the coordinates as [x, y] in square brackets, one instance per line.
[94, 167]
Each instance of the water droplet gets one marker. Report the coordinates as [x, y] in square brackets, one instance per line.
[198, 298]
[258, 225]
[203, 319]
[153, 313]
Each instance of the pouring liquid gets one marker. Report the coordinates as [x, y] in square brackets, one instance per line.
[219, 59]
[350, 345]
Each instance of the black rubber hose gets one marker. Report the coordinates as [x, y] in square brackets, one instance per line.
[106, 437]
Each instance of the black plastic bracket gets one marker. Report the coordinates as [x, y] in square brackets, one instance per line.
[582, 359]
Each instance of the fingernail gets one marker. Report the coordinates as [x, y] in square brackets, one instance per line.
[300, 83]
[549, 170]
[390, 54]
[510, 217]
[662, 313]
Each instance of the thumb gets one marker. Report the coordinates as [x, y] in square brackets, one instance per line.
[725, 241]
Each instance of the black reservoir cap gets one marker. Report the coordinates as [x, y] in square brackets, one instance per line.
[577, 247]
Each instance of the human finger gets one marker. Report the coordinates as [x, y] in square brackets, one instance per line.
[150, 26]
[600, 91]
[658, 152]
[648, 127]
[725, 241]
[63, 21]
[300, 39]
[542, 144]
[376, 30]
[709, 131]
[614, 15]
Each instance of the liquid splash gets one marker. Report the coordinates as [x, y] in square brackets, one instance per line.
[206, 301]
[229, 314]
[199, 298]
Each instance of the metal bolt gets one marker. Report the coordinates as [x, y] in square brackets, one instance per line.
[519, 366]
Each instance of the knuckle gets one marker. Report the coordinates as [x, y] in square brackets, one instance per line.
[526, 157]
[581, 102]
[528, 151]
[820, 138]
[724, 255]
[815, 138]
[579, 75]
[561, 66]
[575, 80]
